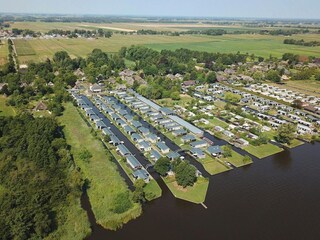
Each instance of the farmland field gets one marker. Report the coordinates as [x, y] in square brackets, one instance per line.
[24, 48]
[256, 44]
[3, 53]
[310, 87]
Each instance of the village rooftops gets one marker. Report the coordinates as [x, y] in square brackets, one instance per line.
[166, 111]
[214, 150]
[163, 147]
[133, 162]
[123, 150]
[199, 144]
[155, 155]
[197, 152]
[141, 174]
[173, 155]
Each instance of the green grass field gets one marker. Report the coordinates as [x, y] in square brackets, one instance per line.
[257, 44]
[105, 180]
[236, 159]
[196, 194]
[3, 53]
[212, 166]
[310, 87]
[263, 151]
[4, 109]
[23, 47]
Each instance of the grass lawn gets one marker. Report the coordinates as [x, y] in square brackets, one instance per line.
[23, 47]
[196, 194]
[310, 87]
[4, 109]
[185, 100]
[212, 166]
[263, 151]
[294, 143]
[105, 180]
[236, 159]
[3, 53]
[217, 122]
[260, 45]
[152, 190]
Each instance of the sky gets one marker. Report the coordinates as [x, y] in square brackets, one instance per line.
[309, 9]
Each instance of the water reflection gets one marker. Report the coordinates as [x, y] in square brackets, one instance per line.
[282, 160]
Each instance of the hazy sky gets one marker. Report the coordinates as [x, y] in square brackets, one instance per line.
[210, 8]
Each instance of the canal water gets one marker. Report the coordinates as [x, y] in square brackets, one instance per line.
[274, 198]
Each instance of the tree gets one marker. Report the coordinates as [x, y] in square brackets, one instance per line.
[175, 95]
[286, 133]
[211, 77]
[273, 76]
[232, 97]
[247, 159]
[106, 138]
[227, 151]
[85, 155]
[297, 103]
[162, 166]
[185, 174]
[138, 193]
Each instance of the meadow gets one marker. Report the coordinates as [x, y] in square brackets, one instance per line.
[261, 45]
[105, 180]
[3, 52]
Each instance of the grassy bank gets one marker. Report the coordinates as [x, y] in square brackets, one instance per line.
[263, 150]
[105, 181]
[236, 159]
[74, 223]
[196, 194]
[213, 166]
[4, 109]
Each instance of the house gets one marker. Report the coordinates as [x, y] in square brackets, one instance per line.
[106, 131]
[144, 146]
[173, 155]
[95, 88]
[166, 111]
[133, 162]
[129, 130]
[114, 140]
[198, 153]
[94, 118]
[121, 123]
[242, 142]
[123, 150]
[189, 83]
[144, 131]
[136, 137]
[136, 124]
[215, 150]
[188, 138]
[155, 155]
[152, 138]
[163, 147]
[179, 132]
[218, 128]
[40, 107]
[100, 125]
[199, 144]
[141, 174]
[228, 133]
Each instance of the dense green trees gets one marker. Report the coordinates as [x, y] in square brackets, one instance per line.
[273, 75]
[35, 173]
[185, 173]
[162, 166]
[286, 133]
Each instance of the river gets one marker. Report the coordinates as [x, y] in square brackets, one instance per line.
[274, 198]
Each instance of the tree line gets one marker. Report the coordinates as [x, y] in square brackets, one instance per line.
[37, 176]
[302, 42]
